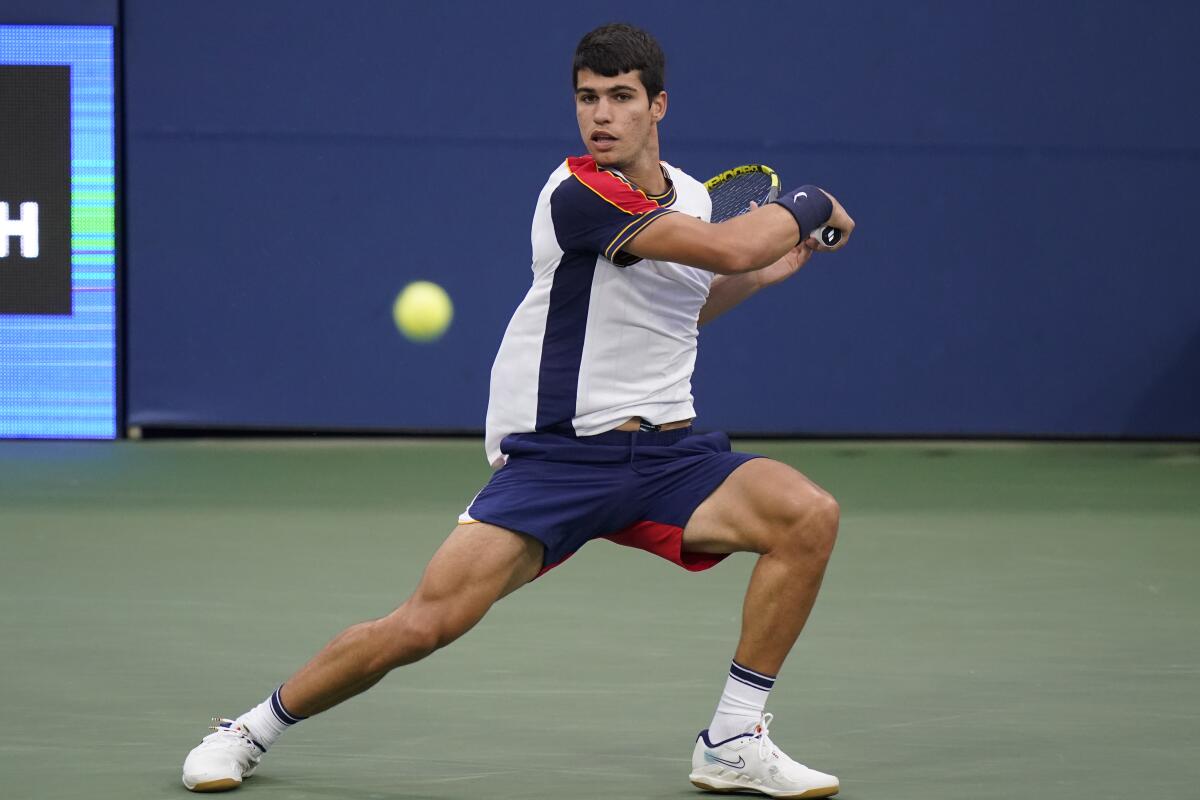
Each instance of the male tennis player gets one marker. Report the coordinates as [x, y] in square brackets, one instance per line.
[589, 424]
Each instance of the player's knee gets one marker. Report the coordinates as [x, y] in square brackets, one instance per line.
[827, 516]
[409, 635]
[812, 516]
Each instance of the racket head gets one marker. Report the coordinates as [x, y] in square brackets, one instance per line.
[733, 190]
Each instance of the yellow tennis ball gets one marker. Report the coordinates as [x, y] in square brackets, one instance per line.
[422, 311]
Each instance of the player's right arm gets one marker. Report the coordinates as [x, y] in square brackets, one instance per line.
[742, 244]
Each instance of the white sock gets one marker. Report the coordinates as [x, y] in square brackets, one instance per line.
[742, 703]
[268, 720]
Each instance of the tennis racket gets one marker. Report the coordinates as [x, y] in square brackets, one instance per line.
[733, 190]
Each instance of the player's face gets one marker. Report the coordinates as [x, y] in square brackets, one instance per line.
[616, 116]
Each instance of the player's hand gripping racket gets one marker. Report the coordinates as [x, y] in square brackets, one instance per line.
[733, 190]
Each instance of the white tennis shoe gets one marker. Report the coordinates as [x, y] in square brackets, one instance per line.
[222, 759]
[750, 762]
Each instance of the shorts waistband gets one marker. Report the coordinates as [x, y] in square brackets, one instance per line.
[640, 438]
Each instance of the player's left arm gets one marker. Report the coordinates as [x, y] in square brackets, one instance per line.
[728, 291]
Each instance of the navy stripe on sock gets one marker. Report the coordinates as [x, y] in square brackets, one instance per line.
[281, 713]
[762, 675]
[750, 677]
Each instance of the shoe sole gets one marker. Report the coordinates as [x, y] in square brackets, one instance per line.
[219, 785]
[730, 788]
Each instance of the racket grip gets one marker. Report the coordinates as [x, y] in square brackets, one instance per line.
[827, 235]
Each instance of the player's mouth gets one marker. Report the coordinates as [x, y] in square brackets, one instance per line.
[603, 141]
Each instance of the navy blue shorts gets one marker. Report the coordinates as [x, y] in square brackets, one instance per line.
[634, 488]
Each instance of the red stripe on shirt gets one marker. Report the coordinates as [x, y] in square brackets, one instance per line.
[609, 186]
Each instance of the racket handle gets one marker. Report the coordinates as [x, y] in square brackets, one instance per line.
[828, 236]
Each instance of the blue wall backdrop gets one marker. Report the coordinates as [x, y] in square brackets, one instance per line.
[1023, 175]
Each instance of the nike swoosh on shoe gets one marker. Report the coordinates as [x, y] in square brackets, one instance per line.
[710, 758]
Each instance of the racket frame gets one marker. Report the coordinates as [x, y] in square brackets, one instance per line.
[746, 169]
[827, 235]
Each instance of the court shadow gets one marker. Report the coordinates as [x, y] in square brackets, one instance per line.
[282, 786]
[277, 786]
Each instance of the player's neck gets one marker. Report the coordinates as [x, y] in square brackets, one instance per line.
[647, 174]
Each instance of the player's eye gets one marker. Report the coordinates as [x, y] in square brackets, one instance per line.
[624, 97]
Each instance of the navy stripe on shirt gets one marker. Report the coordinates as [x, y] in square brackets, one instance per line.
[562, 343]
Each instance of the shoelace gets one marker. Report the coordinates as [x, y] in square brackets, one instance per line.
[235, 729]
[765, 745]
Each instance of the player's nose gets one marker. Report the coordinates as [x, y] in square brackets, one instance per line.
[602, 111]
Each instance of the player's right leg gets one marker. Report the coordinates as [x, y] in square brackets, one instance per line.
[477, 565]
[768, 508]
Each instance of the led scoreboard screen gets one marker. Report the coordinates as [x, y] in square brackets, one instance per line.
[57, 232]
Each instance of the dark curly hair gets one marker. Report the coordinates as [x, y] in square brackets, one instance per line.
[612, 49]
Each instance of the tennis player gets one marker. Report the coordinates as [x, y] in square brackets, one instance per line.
[590, 427]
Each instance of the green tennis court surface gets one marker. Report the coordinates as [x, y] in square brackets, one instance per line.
[999, 621]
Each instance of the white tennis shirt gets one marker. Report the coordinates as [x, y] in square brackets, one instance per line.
[601, 336]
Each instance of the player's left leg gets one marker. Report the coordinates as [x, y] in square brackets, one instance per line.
[771, 509]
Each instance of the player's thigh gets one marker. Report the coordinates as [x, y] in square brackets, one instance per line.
[760, 501]
[477, 565]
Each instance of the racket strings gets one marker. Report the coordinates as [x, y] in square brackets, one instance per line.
[732, 198]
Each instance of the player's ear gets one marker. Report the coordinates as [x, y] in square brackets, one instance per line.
[658, 107]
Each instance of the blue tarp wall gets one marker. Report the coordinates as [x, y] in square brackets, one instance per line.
[1024, 176]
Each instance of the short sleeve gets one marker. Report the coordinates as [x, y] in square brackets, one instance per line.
[596, 211]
